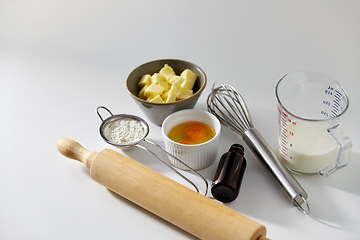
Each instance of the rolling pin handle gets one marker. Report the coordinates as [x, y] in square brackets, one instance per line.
[73, 150]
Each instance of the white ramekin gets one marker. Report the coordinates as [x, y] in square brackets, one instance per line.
[197, 156]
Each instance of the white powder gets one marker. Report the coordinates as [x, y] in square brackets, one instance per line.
[124, 131]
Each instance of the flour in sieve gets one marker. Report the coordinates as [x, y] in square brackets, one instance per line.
[124, 131]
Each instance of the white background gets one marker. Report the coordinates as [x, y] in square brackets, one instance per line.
[59, 60]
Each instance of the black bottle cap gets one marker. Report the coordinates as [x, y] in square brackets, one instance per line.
[223, 192]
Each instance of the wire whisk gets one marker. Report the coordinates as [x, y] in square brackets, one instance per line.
[229, 107]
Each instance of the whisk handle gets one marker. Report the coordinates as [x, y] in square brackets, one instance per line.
[291, 187]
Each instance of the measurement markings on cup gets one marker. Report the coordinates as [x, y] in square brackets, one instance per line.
[284, 131]
[336, 104]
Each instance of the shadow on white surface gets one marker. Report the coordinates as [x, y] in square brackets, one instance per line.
[330, 196]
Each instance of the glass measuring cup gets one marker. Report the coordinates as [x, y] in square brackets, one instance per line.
[310, 137]
[142, 124]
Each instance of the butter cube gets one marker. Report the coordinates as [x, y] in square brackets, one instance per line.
[176, 81]
[187, 73]
[156, 78]
[167, 71]
[170, 99]
[153, 90]
[185, 93]
[142, 92]
[145, 80]
[190, 79]
[165, 85]
[165, 94]
[157, 99]
[175, 91]
[188, 84]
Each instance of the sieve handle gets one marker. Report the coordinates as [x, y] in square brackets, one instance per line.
[97, 111]
[290, 186]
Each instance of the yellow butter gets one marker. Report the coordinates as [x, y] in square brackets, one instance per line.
[187, 73]
[176, 81]
[142, 92]
[165, 94]
[190, 79]
[145, 80]
[175, 91]
[188, 84]
[185, 93]
[167, 71]
[157, 99]
[157, 78]
[165, 85]
[153, 90]
[170, 99]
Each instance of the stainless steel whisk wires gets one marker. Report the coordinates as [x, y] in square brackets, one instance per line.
[236, 116]
[229, 107]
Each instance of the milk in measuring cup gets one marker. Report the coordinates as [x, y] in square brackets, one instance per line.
[307, 147]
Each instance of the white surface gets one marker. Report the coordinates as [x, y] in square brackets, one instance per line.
[59, 60]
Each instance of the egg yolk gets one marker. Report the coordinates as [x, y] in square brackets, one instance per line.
[191, 133]
[195, 133]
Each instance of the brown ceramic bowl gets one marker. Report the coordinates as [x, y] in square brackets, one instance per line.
[157, 112]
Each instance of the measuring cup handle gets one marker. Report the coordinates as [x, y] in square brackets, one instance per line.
[345, 146]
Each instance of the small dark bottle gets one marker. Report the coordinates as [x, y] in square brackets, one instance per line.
[229, 174]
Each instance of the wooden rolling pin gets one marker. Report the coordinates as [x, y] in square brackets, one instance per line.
[181, 206]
